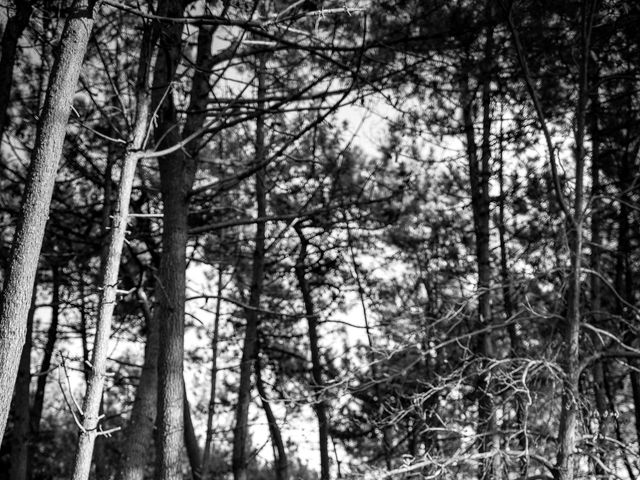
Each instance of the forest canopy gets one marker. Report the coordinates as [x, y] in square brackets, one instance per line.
[319, 239]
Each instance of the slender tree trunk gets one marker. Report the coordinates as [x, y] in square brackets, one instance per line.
[191, 440]
[565, 463]
[52, 334]
[479, 172]
[110, 269]
[208, 445]
[320, 405]
[250, 347]
[27, 241]
[516, 347]
[12, 32]
[279, 452]
[624, 277]
[21, 400]
[138, 436]
[596, 283]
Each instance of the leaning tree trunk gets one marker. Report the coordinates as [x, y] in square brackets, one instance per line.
[279, 451]
[319, 404]
[190, 439]
[27, 241]
[250, 347]
[110, 269]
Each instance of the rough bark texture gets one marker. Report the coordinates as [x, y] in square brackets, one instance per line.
[27, 242]
[21, 422]
[170, 295]
[177, 173]
[319, 405]
[250, 347]
[12, 31]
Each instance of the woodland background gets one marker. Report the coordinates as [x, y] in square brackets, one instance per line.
[319, 239]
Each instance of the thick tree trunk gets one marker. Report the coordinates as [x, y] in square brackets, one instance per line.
[52, 335]
[320, 405]
[177, 172]
[250, 347]
[138, 436]
[12, 32]
[27, 241]
[21, 422]
[279, 451]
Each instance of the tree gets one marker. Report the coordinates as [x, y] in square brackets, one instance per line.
[14, 303]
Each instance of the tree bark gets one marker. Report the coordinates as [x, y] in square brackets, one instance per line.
[27, 241]
[250, 347]
[110, 268]
[12, 32]
[21, 400]
[177, 172]
[319, 405]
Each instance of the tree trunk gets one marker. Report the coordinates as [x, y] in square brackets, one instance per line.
[138, 436]
[596, 283]
[479, 173]
[320, 405]
[52, 334]
[191, 440]
[279, 452]
[250, 347]
[12, 32]
[564, 468]
[208, 445]
[21, 422]
[110, 269]
[27, 241]
[516, 347]
[177, 172]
